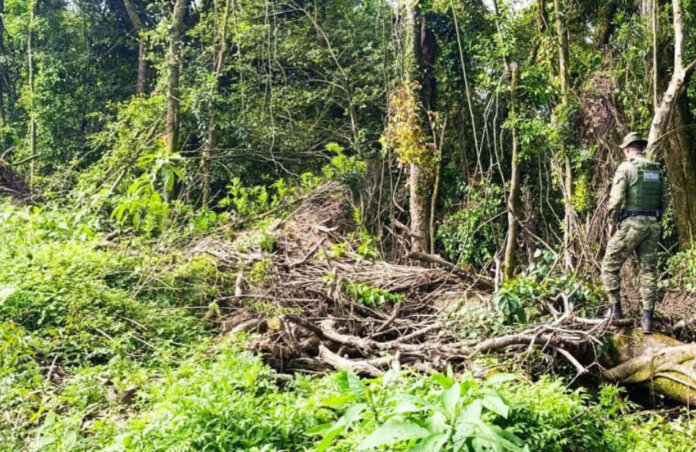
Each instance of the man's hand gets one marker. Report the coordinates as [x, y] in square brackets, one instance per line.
[612, 230]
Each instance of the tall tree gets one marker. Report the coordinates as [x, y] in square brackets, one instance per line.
[175, 43]
[220, 50]
[417, 174]
[672, 109]
[514, 203]
[140, 30]
[562, 44]
[30, 70]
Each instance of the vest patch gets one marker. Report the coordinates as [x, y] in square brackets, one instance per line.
[651, 176]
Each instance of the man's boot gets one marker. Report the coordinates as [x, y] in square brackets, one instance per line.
[614, 312]
[647, 321]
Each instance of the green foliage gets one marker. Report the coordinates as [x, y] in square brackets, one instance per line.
[366, 246]
[682, 268]
[519, 298]
[435, 414]
[474, 233]
[248, 201]
[370, 296]
[342, 167]
[80, 315]
[227, 402]
[552, 418]
[144, 207]
[260, 272]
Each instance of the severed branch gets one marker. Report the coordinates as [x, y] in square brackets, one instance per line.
[466, 272]
[368, 367]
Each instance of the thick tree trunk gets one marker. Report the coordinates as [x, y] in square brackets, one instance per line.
[672, 110]
[514, 204]
[680, 164]
[418, 186]
[142, 66]
[417, 209]
[661, 363]
[3, 116]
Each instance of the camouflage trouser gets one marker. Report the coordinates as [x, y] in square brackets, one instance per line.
[639, 234]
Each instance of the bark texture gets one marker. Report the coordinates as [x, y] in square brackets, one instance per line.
[221, 48]
[514, 203]
[140, 30]
[661, 363]
[418, 182]
[672, 112]
[174, 71]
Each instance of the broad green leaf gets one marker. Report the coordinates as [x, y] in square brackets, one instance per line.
[392, 432]
[442, 380]
[329, 438]
[468, 419]
[338, 400]
[342, 424]
[496, 405]
[404, 406]
[352, 383]
[437, 423]
[433, 443]
[498, 379]
[319, 429]
[450, 399]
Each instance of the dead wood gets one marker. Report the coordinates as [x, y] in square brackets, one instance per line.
[661, 363]
[315, 272]
[464, 271]
[370, 367]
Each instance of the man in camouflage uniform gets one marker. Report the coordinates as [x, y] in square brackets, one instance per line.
[635, 208]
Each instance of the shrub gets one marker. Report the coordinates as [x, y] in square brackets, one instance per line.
[519, 298]
[474, 233]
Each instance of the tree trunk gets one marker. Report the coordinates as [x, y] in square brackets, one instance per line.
[417, 179]
[140, 29]
[514, 207]
[174, 70]
[3, 116]
[646, 7]
[217, 70]
[562, 42]
[673, 110]
[32, 119]
[142, 66]
[680, 164]
[661, 363]
[417, 209]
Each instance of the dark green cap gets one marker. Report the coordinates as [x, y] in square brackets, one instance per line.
[633, 137]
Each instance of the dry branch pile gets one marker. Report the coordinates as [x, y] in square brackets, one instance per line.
[319, 323]
[312, 320]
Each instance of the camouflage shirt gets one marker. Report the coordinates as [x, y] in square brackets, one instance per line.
[624, 177]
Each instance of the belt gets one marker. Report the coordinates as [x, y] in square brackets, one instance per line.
[640, 213]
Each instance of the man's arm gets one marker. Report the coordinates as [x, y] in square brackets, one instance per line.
[617, 195]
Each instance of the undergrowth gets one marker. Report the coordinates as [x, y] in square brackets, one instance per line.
[104, 348]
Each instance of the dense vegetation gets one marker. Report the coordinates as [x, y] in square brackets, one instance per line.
[131, 131]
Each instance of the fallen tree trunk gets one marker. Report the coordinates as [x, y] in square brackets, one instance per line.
[661, 363]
